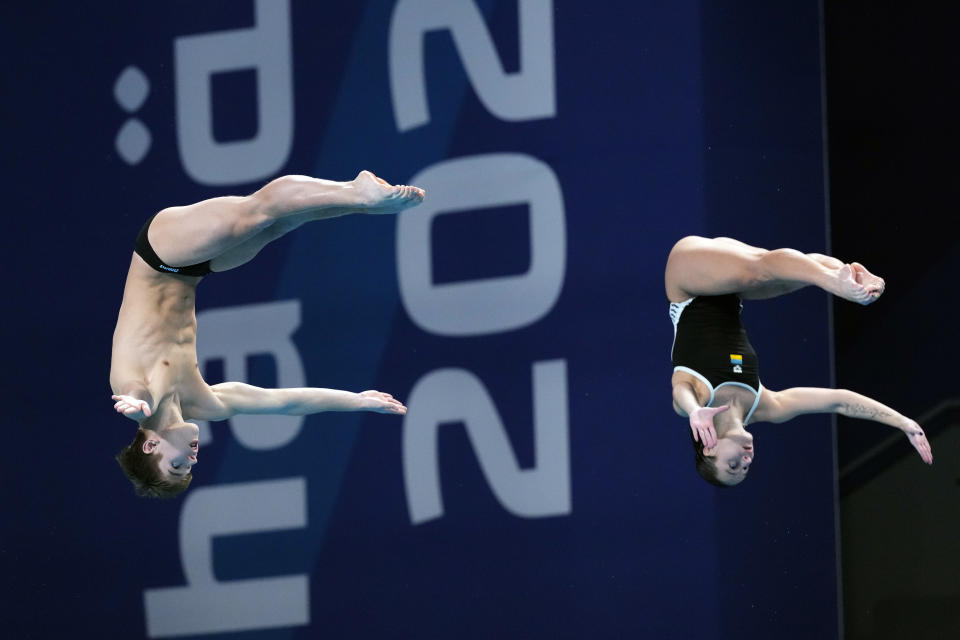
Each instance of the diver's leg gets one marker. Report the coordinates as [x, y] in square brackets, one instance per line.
[212, 229]
[716, 266]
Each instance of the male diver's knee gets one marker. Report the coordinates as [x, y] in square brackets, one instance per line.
[275, 198]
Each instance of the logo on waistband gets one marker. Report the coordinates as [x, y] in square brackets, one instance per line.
[166, 268]
[737, 361]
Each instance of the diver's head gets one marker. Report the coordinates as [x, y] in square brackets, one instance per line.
[727, 463]
[159, 463]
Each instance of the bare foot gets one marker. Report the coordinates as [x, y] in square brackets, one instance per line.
[858, 285]
[874, 284]
[379, 196]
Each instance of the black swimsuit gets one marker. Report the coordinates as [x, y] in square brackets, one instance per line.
[145, 251]
[710, 343]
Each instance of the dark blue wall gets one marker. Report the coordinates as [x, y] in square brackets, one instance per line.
[656, 121]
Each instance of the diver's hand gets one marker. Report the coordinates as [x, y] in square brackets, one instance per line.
[701, 424]
[380, 402]
[918, 439]
[132, 408]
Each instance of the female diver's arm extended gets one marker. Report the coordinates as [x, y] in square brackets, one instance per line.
[780, 406]
[232, 398]
[685, 403]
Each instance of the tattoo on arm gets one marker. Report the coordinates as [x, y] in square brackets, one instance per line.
[856, 410]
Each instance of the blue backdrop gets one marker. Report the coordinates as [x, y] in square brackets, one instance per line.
[540, 485]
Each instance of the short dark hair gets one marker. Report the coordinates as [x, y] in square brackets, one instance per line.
[706, 465]
[143, 469]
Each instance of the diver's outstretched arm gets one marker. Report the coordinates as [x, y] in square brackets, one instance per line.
[780, 406]
[232, 398]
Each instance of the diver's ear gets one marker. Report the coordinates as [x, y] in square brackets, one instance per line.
[711, 452]
[149, 446]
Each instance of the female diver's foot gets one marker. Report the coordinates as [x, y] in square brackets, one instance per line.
[874, 284]
[859, 285]
[379, 196]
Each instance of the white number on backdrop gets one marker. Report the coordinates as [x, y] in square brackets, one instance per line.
[456, 395]
[490, 305]
[525, 95]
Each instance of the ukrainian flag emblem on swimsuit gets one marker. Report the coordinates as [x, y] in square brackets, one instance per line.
[737, 361]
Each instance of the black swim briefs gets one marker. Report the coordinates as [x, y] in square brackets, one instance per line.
[145, 251]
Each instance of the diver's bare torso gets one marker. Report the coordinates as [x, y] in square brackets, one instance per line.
[154, 342]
